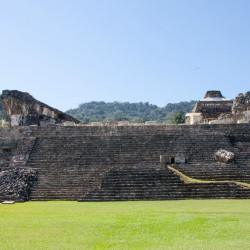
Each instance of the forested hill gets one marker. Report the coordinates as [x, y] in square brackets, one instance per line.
[125, 111]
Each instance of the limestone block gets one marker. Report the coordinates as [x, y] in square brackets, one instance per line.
[150, 122]
[67, 123]
[224, 156]
[242, 121]
[8, 202]
[96, 124]
[222, 121]
[123, 123]
[180, 159]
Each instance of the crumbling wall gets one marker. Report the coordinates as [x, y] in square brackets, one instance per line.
[23, 150]
[23, 109]
[212, 110]
[7, 151]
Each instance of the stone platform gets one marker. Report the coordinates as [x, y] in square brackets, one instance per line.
[103, 163]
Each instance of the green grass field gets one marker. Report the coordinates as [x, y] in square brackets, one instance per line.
[186, 224]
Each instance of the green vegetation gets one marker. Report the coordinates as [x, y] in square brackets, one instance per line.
[6, 124]
[133, 112]
[178, 118]
[185, 224]
[3, 115]
[187, 179]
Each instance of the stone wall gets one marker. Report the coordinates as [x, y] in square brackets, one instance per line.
[213, 109]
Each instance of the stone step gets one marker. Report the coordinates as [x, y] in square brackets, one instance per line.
[76, 161]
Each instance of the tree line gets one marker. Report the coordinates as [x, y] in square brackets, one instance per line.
[124, 111]
[132, 112]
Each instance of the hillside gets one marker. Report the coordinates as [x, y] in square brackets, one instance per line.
[125, 111]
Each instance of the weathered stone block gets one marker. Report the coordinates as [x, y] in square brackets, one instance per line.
[180, 159]
[224, 156]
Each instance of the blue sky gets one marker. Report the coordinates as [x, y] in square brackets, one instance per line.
[68, 52]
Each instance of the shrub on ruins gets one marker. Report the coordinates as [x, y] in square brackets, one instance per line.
[178, 118]
[3, 114]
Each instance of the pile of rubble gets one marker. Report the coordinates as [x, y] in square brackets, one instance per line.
[15, 184]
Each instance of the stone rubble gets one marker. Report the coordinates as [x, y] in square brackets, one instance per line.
[15, 184]
[241, 103]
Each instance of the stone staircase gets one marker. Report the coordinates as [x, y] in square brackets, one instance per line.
[236, 171]
[60, 183]
[124, 150]
[122, 163]
[216, 172]
[158, 184]
[61, 131]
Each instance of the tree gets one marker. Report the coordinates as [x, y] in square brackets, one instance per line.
[178, 118]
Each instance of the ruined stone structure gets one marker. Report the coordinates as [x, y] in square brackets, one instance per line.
[147, 162]
[241, 108]
[23, 110]
[209, 108]
[216, 109]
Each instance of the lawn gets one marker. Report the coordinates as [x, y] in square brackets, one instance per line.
[186, 224]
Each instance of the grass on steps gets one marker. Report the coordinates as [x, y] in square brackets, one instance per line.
[187, 179]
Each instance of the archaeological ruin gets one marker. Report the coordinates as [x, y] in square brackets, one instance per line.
[216, 109]
[48, 155]
[24, 110]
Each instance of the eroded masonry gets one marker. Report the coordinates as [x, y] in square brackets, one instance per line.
[48, 155]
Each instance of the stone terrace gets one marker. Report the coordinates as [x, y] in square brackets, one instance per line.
[123, 162]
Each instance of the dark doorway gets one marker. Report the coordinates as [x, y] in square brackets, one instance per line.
[172, 160]
[6, 150]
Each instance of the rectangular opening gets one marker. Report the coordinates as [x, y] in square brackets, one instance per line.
[172, 160]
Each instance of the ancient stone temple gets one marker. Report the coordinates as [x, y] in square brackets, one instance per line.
[209, 108]
[104, 163]
[216, 109]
